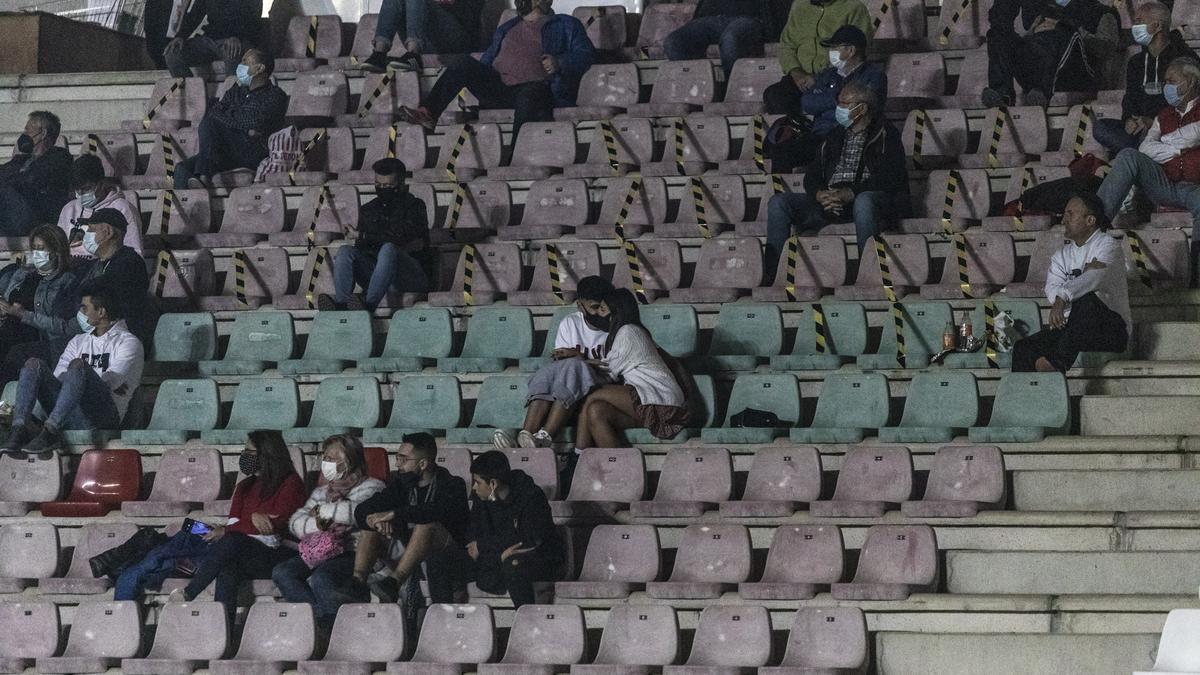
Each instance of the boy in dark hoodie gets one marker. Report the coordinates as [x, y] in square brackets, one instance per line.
[512, 537]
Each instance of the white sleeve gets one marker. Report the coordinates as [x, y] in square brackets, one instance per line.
[342, 511]
[1183, 138]
[69, 354]
[1153, 147]
[1112, 255]
[565, 338]
[301, 523]
[1056, 277]
[620, 356]
[126, 360]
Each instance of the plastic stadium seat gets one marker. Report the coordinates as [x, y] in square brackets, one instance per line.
[185, 480]
[903, 26]
[34, 632]
[403, 89]
[660, 262]
[780, 479]
[938, 404]
[541, 150]
[275, 636]
[744, 336]
[497, 272]
[1029, 176]
[363, 42]
[991, 266]
[1026, 406]
[364, 637]
[1187, 17]
[872, 480]
[777, 393]
[28, 552]
[635, 637]
[497, 337]
[380, 145]
[415, 339]
[896, 560]
[335, 341]
[924, 324]
[251, 213]
[744, 90]
[220, 507]
[182, 409]
[605, 25]
[420, 403]
[728, 639]
[943, 141]
[711, 559]
[1027, 320]
[728, 267]
[500, 404]
[703, 401]
[909, 258]
[183, 143]
[681, 87]
[190, 213]
[605, 481]
[675, 328]
[831, 639]
[1066, 149]
[328, 44]
[539, 464]
[659, 21]
[820, 267]
[1178, 651]
[190, 276]
[968, 32]
[332, 154]
[541, 638]
[452, 636]
[257, 341]
[802, 560]
[185, 338]
[618, 561]
[267, 276]
[633, 139]
[1025, 133]
[27, 480]
[914, 80]
[724, 207]
[117, 151]
[342, 404]
[184, 106]
[187, 636]
[258, 403]
[576, 260]
[971, 203]
[963, 480]
[91, 540]
[551, 207]
[851, 403]
[102, 633]
[457, 461]
[605, 90]
[531, 364]
[480, 152]
[691, 481]
[649, 208]
[1167, 261]
[103, 479]
[1047, 243]
[845, 326]
[705, 145]
[318, 98]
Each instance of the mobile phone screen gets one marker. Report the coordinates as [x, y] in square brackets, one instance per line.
[199, 528]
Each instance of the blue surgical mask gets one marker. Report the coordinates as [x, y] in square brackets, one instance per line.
[243, 75]
[89, 242]
[842, 115]
[1141, 34]
[83, 322]
[86, 199]
[1062, 3]
[1171, 93]
[40, 260]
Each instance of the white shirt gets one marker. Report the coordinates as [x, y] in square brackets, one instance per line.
[1068, 280]
[574, 333]
[1162, 148]
[634, 358]
[117, 357]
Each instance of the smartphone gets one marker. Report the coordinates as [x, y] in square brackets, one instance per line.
[195, 527]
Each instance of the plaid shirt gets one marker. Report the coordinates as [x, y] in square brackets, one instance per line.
[847, 167]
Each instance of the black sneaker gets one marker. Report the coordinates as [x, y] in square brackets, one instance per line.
[326, 303]
[377, 62]
[355, 303]
[386, 588]
[49, 439]
[18, 438]
[995, 99]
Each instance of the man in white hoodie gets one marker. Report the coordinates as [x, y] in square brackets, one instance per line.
[92, 384]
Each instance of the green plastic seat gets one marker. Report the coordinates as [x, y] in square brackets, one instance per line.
[416, 338]
[182, 409]
[675, 328]
[845, 338]
[497, 337]
[257, 340]
[1099, 359]
[939, 404]
[746, 334]
[429, 403]
[924, 324]
[705, 408]
[185, 338]
[773, 392]
[258, 403]
[500, 404]
[1025, 313]
[335, 341]
[530, 364]
[1027, 405]
[850, 404]
[342, 405]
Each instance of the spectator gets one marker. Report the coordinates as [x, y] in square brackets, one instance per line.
[34, 183]
[250, 544]
[92, 384]
[647, 392]
[1063, 49]
[425, 26]
[802, 49]
[512, 537]
[390, 248]
[1086, 284]
[858, 175]
[739, 27]
[421, 517]
[324, 526]
[38, 304]
[533, 65]
[232, 26]
[116, 266]
[94, 191]
[233, 134]
[1143, 84]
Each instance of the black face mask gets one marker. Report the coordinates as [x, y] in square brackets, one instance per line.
[597, 322]
[390, 192]
[248, 463]
[25, 144]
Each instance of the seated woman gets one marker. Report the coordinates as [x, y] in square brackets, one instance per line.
[38, 302]
[322, 575]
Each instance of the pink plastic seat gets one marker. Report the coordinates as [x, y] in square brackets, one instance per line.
[914, 80]
[539, 464]
[1066, 148]
[184, 106]
[619, 559]
[896, 561]
[692, 480]
[480, 152]
[661, 264]
[251, 214]
[872, 479]
[551, 208]
[365, 636]
[452, 638]
[33, 633]
[649, 208]
[189, 277]
[991, 265]
[457, 461]
[91, 540]
[972, 199]
[332, 154]
[1029, 176]
[634, 141]
[909, 258]
[963, 480]
[1047, 243]
[967, 33]
[191, 213]
[497, 272]
[1167, 261]
[267, 277]
[363, 42]
[487, 207]
[276, 635]
[971, 71]
[1025, 133]
[117, 151]
[744, 90]
[825, 640]
[706, 144]
[296, 54]
[780, 481]
[28, 480]
[324, 283]
[576, 260]
[606, 480]
[339, 211]
[680, 88]
[943, 140]
[727, 269]
[543, 638]
[186, 478]
[724, 208]
[318, 98]
[605, 25]
[28, 552]
[187, 636]
[710, 560]
[802, 560]
[659, 21]
[410, 146]
[1186, 16]
[821, 265]
[541, 150]
[605, 90]
[903, 26]
[728, 639]
[403, 88]
[183, 143]
[102, 633]
[635, 637]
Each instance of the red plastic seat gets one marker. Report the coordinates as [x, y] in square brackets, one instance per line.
[104, 479]
[991, 265]
[896, 561]
[680, 88]
[634, 141]
[605, 90]
[872, 479]
[552, 206]
[802, 560]
[411, 147]
[661, 264]
[909, 258]
[727, 269]
[649, 208]
[821, 266]
[744, 90]
[691, 481]
[576, 260]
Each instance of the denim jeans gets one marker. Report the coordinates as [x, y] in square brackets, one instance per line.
[376, 272]
[158, 565]
[219, 148]
[232, 559]
[200, 51]
[737, 36]
[531, 102]
[435, 29]
[1111, 134]
[323, 587]
[81, 400]
[1133, 168]
[802, 212]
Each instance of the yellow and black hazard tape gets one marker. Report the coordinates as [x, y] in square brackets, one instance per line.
[759, 132]
[777, 185]
[948, 202]
[310, 294]
[462, 99]
[989, 320]
[456, 151]
[1026, 180]
[160, 275]
[166, 204]
[162, 100]
[944, 38]
[993, 157]
[1081, 129]
[302, 157]
[635, 268]
[555, 277]
[885, 275]
[678, 130]
[93, 144]
[819, 324]
[610, 146]
[918, 138]
[597, 13]
[884, 8]
[384, 82]
[468, 254]
[456, 205]
[959, 239]
[789, 270]
[310, 45]
[960, 252]
[1138, 249]
[393, 133]
[311, 236]
[698, 202]
[643, 53]
[239, 277]
[168, 151]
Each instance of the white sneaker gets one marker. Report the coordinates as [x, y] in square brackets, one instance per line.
[525, 439]
[539, 440]
[502, 439]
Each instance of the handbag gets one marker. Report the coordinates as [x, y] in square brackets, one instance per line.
[320, 546]
[789, 144]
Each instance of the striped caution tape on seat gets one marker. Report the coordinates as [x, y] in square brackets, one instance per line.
[555, 278]
[989, 320]
[885, 275]
[460, 188]
[597, 13]
[322, 197]
[819, 324]
[759, 132]
[166, 204]
[959, 238]
[239, 277]
[698, 202]
[393, 133]
[944, 38]
[1027, 177]
[168, 153]
[635, 268]
[162, 100]
[993, 157]
[789, 270]
[884, 8]
[468, 255]
[678, 130]
[301, 159]
[93, 144]
[365, 108]
[1086, 118]
[310, 45]
[610, 145]
[777, 185]
[310, 293]
[919, 138]
[1137, 247]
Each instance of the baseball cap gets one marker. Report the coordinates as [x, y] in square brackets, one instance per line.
[111, 217]
[847, 35]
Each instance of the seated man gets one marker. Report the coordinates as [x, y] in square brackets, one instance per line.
[858, 175]
[425, 27]
[801, 52]
[533, 65]
[1086, 284]
[92, 384]
[232, 26]
[117, 267]
[738, 27]
[422, 516]
[1063, 48]
[390, 248]
[34, 183]
[511, 538]
[93, 191]
[233, 134]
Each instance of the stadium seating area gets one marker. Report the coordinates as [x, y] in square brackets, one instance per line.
[907, 516]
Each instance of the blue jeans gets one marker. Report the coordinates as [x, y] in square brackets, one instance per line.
[376, 272]
[220, 148]
[1132, 168]
[737, 36]
[802, 212]
[1111, 134]
[158, 565]
[81, 400]
[435, 29]
[323, 587]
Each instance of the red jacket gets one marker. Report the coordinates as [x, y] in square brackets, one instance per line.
[1185, 167]
[280, 506]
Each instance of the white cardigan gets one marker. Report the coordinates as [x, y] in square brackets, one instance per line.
[634, 358]
[340, 512]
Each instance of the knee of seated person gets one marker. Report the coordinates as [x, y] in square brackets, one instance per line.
[1129, 155]
[34, 363]
[79, 364]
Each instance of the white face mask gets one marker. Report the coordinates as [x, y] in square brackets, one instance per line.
[83, 322]
[330, 471]
[40, 260]
[89, 242]
[835, 58]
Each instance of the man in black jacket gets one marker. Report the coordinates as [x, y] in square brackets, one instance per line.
[118, 268]
[232, 26]
[390, 245]
[739, 28]
[858, 175]
[512, 537]
[34, 184]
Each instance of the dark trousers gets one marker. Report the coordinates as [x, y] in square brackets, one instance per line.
[1033, 62]
[1111, 134]
[515, 576]
[17, 217]
[155, 19]
[737, 37]
[447, 571]
[219, 148]
[531, 102]
[232, 559]
[784, 98]
[1091, 327]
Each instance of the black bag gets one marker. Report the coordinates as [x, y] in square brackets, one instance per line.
[789, 144]
[1052, 197]
[111, 562]
[754, 418]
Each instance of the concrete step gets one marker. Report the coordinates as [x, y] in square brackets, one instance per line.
[1028, 654]
[1172, 490]
[1061, 573]
[1139, 415]
[1167, 341]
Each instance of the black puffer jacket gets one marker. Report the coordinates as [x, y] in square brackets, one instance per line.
[523, 517]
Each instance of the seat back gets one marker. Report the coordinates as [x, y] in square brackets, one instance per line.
[749, 78]
[605, 25]
[409, 145]
[190, 630]
[632, 136]
[254, 210]
[1099, 111]
[261, 336]
[539, 464]
[546, 634]
[1025, 131]
[1167, 259]
[684, 82]
[339, 335]
[335, 151]
[1026, 316]
[481, 150]
[675, 328]
[916, 75]
[556, 202]
[724, 201]
[456, 634]
[941, 399]
[457, 461]
[105, 629]
[853, 400]
[972, 22]
[94, 539]
[748, 328]
[188, 475]
[268, 273]
[28, 550]
[1187, 17]
[705, 139]
[991, 260]
[659, 21]
[183, 143]
[576, 260]
[924, 324]
[772, 392]
[898, 554]
[609, 475]
[497, 268]
[732, 635]
[972, 197]
[821, 262]
[501, 402]
[545, 144]
[640, 635]
[1032, 175]
[628, 553]
[328, 42]
[185, 338]
[827, 638]
[660, 262]
[30, 478]
[107, 476]
[426, 332]
[277, 631]
[192, 273]
[426, 402]
[403, 89]
[806, 554]
[187, 103]
[845, 329]
[499, 332]
[729, 263]
[908, 255]
[1047, 243]
[186, 405]
[191, 213]
[1177, 647]
[696, 474]
[713, 553]
[875, 473]
[1032, 399]
[32, 628]
[790, 474]
[967, 473]
[323, 94]
[945, 134]
[609, 84]
[364, 632]
[346, 402]
[649, 204]
[117, 152]
[906, 21]
[265, 403]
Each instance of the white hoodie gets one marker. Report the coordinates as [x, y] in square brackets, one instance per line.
[117, 357]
